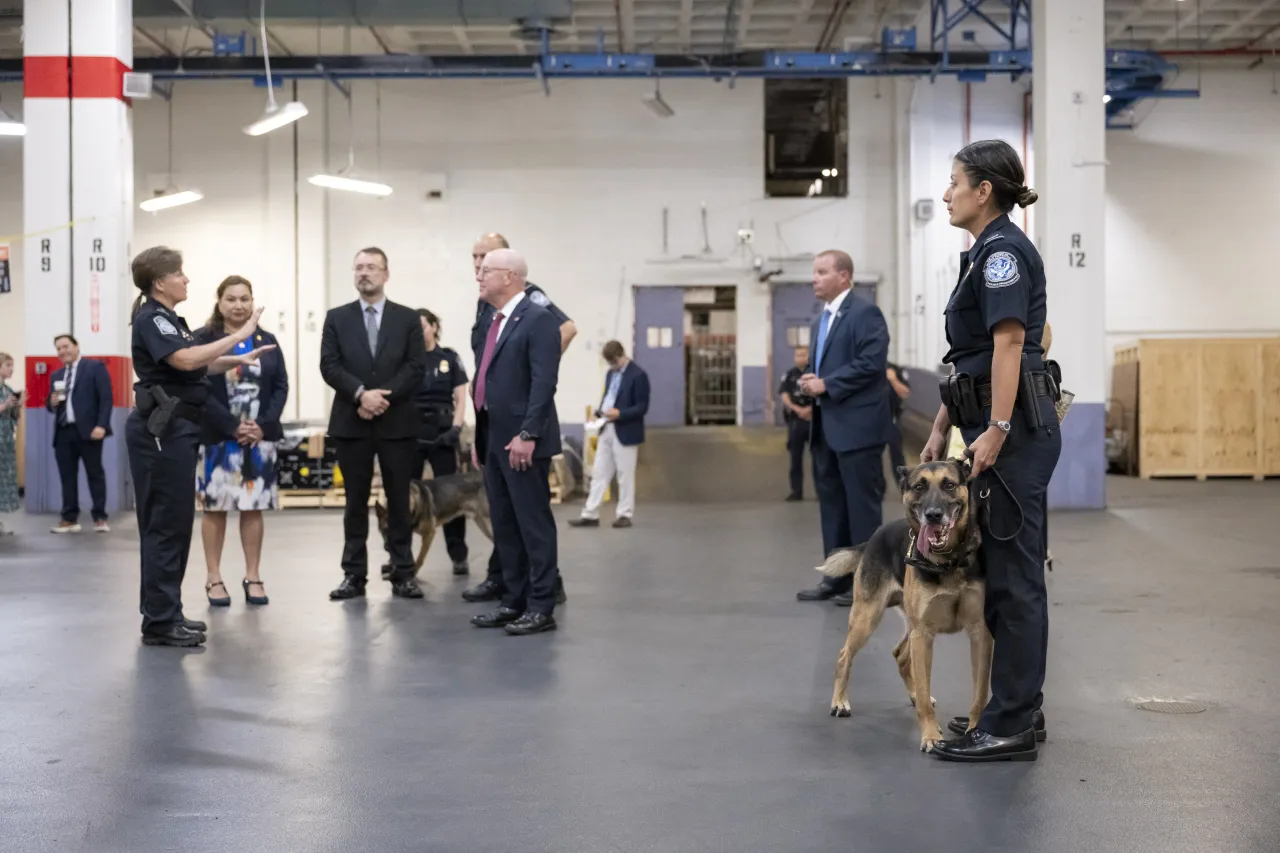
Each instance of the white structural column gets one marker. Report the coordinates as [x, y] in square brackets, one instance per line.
[78, 217]
[1069, 120]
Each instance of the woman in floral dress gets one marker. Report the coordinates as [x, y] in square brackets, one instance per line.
[10, 411]
[236, 471]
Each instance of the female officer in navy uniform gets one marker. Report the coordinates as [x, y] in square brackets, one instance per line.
[442, 400]
[994, 321]
[166, 357]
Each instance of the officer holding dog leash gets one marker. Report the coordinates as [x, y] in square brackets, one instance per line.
[442, 401]
[1002, 397]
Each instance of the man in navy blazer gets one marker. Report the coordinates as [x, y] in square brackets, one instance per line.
[81, 406]
[517, 433]
[851, 415]
[623, 407]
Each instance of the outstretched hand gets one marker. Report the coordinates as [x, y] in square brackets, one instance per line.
[252, 356]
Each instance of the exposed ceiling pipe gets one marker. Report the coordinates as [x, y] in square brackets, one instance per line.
[833, 24]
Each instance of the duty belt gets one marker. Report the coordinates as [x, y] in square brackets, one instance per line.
[1039, 381]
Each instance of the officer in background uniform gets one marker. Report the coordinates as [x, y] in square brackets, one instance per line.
[798, 414]
[493, 587]
[1002, 399]
[162, 435]
[442, 401]
[899, 390]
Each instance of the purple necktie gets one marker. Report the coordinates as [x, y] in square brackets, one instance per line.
[489, 342]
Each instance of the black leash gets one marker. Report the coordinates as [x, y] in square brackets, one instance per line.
[984, 497]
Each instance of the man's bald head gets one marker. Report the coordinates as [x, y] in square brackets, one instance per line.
[501, 275]
[486, 244]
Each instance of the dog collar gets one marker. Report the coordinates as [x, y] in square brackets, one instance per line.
[962, 556]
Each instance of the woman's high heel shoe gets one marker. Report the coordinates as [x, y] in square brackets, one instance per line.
[217, 602]
[253, 599]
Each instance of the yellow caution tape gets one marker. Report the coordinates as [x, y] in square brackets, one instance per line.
[9, 238]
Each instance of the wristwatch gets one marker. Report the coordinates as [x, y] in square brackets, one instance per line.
[524, 436]
[1003, 426]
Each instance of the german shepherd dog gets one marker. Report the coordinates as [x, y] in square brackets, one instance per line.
[435, 502]
[927, 565]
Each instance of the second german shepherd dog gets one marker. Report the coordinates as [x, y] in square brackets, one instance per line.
[927, 565]
[435, 502]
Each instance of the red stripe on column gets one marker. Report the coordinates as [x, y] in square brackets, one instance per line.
[78, 77]
[97, 77]
[45, 77]
[40, 382]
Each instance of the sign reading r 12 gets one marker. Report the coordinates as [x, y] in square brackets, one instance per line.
[1075, 258]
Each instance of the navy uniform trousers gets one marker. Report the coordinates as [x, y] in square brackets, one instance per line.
[850, 490]
[1017, 606]
[164, 483]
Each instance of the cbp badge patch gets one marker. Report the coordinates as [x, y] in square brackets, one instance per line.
[537, 297]
[165, 327]
[444, 365]
[1001, 270]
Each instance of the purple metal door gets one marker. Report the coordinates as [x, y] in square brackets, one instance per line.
[794, 307]
[659, 349]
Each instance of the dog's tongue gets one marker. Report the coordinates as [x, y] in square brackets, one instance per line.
[927, 531]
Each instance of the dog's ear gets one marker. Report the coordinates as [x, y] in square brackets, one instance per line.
[965, 465]
[903, 473]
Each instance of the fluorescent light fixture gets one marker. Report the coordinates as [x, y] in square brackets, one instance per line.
[337, 182]
[9, 127]
[276, 117]
[175, 198]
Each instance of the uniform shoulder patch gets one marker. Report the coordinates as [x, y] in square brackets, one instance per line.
[537, 297]
[165, 327]
[1001, 270]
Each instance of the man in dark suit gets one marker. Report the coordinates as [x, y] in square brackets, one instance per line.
[81, 403]
[373, 355]
[623, 407]
[517, 433]
[491, 588]
[851, 417]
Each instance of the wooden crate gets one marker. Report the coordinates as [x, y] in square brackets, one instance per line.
[1206, 407]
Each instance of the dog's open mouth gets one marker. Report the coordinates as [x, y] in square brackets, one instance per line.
[934, 537]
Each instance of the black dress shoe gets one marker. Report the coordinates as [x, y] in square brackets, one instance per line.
[174, 635]
[584, 522]
[461, 567]
[531, 623]
[406, 589]
[960, 724]
[386, 571]
[818, 593]
[496, 618]
[845, 599]
[978, 745]
[486, 590]
[624, 521]
[194, 625]
[349, 588]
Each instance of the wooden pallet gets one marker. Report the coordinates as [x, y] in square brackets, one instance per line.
[320, 498]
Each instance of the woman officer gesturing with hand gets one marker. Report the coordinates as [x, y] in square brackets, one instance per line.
[1004, 403]
[169, 365]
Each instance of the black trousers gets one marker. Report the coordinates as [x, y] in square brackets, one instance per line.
[524, 531]
[164, 484]
[443, 459]
[850, 495]
[896, 457]
[1017, 607]
[69, 449]
[397, 460]
[797, 438]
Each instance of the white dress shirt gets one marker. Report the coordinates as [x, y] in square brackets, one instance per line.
[72, 374]
[506, 311]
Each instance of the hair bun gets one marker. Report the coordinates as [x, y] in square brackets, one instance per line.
[1027, 197]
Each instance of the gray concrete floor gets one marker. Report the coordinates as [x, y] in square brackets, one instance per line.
[681, 706]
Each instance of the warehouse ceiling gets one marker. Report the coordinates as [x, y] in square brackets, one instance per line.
[703, 27]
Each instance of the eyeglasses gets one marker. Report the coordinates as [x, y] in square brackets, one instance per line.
[484, 271]
[369, 268]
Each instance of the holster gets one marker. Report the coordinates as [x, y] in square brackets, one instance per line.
[162, 410]
[959, 394]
